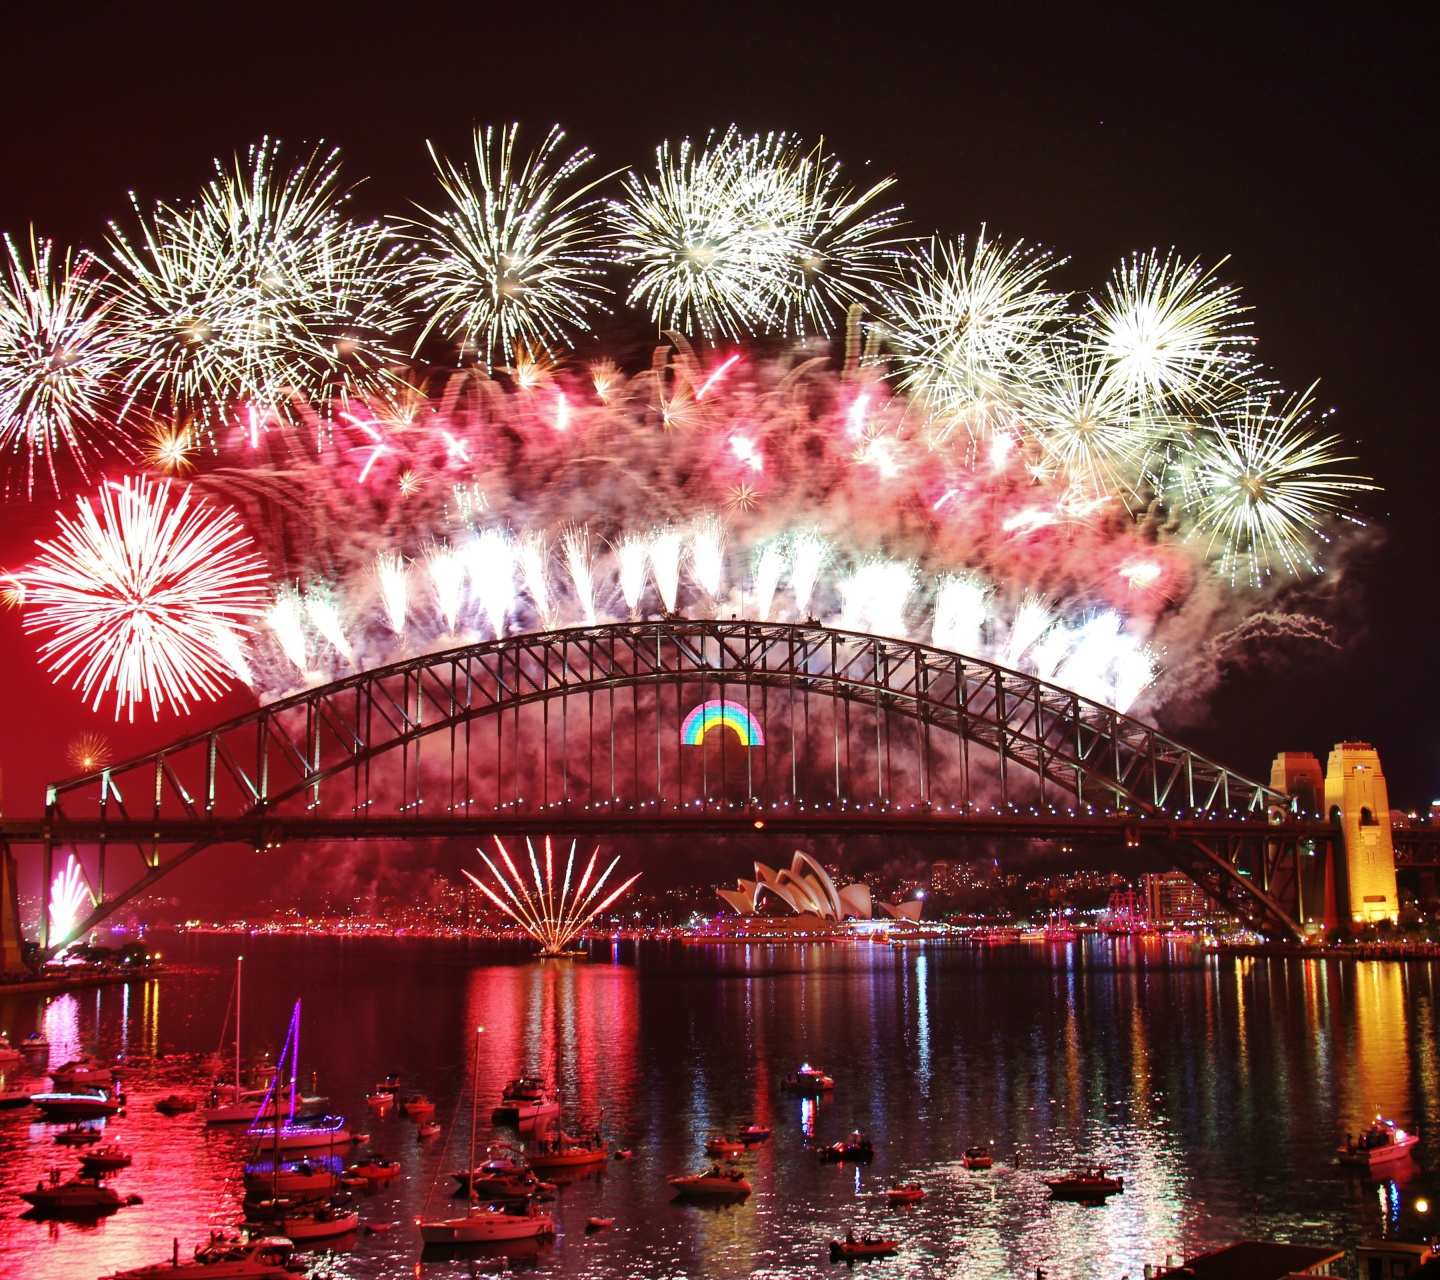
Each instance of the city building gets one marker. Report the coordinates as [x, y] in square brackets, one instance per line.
[1171, 897]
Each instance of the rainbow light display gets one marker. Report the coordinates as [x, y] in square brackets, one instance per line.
[719, 713]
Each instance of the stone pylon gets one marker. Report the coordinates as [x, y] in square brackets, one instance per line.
[12, 954]
[1357, 799]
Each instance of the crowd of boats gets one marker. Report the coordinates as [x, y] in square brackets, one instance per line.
[300, 1171]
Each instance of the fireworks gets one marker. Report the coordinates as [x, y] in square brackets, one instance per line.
[58, 358]
[1075, 485]
[88, 752]
[69, 897]
[515, 255]
[553, 917]
[261, 292]
[134, 591]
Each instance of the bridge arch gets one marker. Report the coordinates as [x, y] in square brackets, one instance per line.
[859, 732]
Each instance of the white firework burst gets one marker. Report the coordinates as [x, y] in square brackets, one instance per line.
[514, 257]
[971, 323]
[261, 292]
[59, 359]
[1167, 328]
[1267, 490]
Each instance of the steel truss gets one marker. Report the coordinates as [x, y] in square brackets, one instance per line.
[572, 728]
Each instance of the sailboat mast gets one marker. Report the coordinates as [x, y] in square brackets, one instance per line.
[294, 1062]
[239, 961]
[474, 1105]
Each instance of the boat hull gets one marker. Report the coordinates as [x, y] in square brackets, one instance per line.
[1377, 1156]
[484, 1228]
[319, 1228]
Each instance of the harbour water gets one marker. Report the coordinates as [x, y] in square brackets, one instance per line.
[1219, 1087]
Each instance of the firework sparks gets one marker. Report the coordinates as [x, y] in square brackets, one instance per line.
[632, 557]
[769, 569]
[491, 567]
[575, 544]
[135, 589]
[553, 915]
[447, 579]
[808, 557]
[534, 557]
[515, 255]
[874, 597]
[325, 617]
[286, 620]
[961, 611]
[59, 358]
[393, 577]
[88, 752]
[665, 547]
[707, 556]
[70, 896]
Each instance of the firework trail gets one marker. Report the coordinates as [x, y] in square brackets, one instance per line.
[69, 897]
[393, 578]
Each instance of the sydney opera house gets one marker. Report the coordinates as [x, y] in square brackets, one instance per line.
[808, 891]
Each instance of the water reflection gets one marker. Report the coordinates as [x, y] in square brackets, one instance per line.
[1219, 1089]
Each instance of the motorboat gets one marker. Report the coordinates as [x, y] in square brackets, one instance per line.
[35, 1042]
[319, 1222]
[592, 1225]
[61, 1104]
[713, 1182]
[15, 1095]
[78, 1136]
[1378, 1144]
[102, 1160]
[865, 1246]
[978, 1158]
[809, 1081]
[905, 1193]
[301, 1134]
[481, 1224]
[523, 1099]
[856, 1149]
[417, 1106]
[390, 1085]
[503, 1178]
[753, 1133]
[1086, 1182]
[379, 1100]
[82, 1073]
[718, 1144]
[222, 1257]
[174, 1104]
[78, 1195]
[8, 1052]
[427, 1129]
[375, 1169]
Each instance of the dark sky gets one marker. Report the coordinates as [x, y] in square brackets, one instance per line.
[1301, 144]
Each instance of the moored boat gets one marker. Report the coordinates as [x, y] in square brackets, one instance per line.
[718, 1144]
[78, 1195]
[301, 1134]
[427, 1129]
[102, 1160]
[417, 1106]
[1378, 1143]
[174, 1104]
[15, 1095]
[319, 1222]
[905, 1193]
[222, 1257]
[66, 1105]
[565, 1152]
[8, 1052]
[856, 1149]
[481, 1224]
[713, 1182]
[523, 1099]
[82, 1073]
[375, 1169]
[808, 1080]
[1086, 1182]
[753, 1133]
[292, 1177]
[978, 1158]
[865, 1246]
[78, 1136]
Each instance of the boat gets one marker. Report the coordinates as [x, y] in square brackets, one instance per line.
[753, 1133]
[866, 1246]
[174, 1104]
[626, 1154]
[293, 1177]
[481, 1224]
[1085, 1182]
[319, 1222]
[15, 1095]
[390, 1085]
[565, 1152]
[77, 1136]
[78, 1195]
[718, 1144]
[905, 1193]
[1377, 1144]
[1058, 929]
[427, 1130]
[379, 1100]
[8, 1052]
[808, 1080]
[856, 1149]
[375, 1169]
[523, 1099]
[377, 1228]
[417, 1106]
[978, 1158]
[106, 1159]
[35, 1042]
[713, 1182]
[222, 1257]
[499, 1178]
[592, 1225]
[64, 1105]
[82, 1073]
[304, 1134]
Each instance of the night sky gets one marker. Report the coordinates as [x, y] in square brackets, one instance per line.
[1305, 150]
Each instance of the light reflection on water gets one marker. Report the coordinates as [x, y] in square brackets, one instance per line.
[1219, 1088]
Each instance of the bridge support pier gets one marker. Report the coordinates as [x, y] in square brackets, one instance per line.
[12, 940]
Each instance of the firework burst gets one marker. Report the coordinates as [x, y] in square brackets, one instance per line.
[69, 896]
[134, 591]
[88, 752]
[514, 258]
[553, 915]
[59, 358]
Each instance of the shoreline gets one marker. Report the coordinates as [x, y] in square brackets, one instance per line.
[47, 986]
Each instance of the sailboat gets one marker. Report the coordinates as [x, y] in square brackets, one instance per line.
[292, 1133]
[481, 1224]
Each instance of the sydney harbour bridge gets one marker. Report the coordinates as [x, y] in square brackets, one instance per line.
[683, 727]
